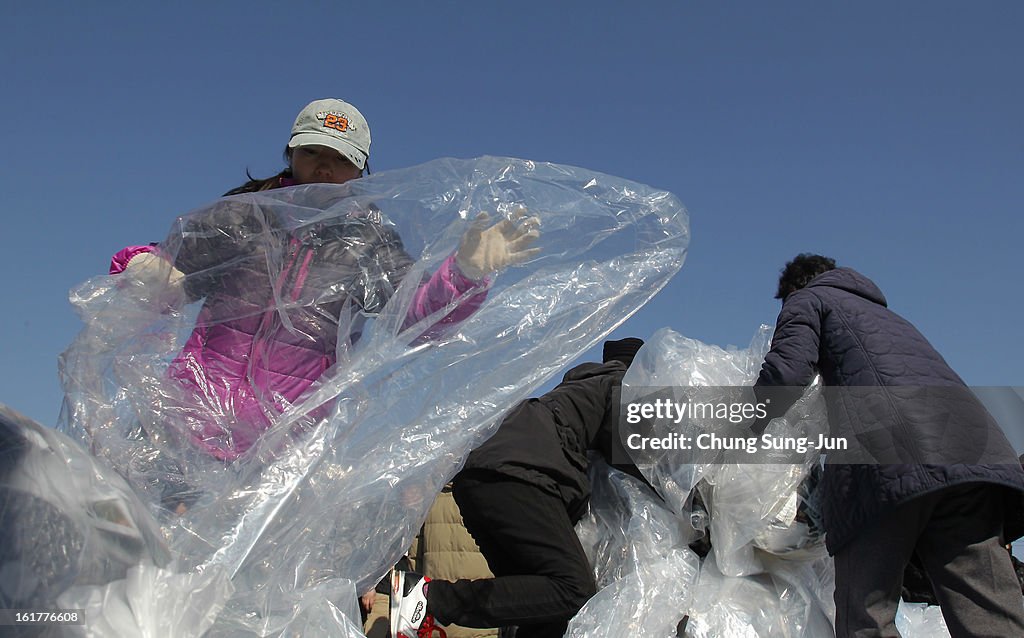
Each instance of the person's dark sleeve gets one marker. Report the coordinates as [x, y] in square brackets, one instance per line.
[792, 361]
[207, 243]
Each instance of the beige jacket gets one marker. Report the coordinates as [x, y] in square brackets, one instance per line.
[443, 550]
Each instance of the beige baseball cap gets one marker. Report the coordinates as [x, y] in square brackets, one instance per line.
[336, 124]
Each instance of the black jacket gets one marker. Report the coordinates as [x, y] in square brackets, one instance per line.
[544, 441]
[912, 424]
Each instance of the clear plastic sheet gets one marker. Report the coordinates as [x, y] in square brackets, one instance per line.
[804, 584]
[778, 579]
[329, 487]
[755, 505]
[644, 569]
[651, 601]
[149, 601]
[773, 604]
[76, 537]
[918, 620]
[752, 504]
[675, 363]
[627, 524]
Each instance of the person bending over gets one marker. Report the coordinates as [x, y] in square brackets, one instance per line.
[521, 493]
[927, 471]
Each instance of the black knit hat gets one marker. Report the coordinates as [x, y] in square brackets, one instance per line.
[622, 350]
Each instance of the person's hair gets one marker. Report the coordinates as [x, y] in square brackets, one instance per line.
[800, 271]
[256, 184]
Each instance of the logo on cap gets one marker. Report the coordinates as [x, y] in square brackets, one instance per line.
[334, 120]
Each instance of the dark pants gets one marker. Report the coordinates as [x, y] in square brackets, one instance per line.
[542, 575]
[957, 534]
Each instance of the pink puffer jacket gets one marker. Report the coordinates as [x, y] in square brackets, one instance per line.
[265, 335]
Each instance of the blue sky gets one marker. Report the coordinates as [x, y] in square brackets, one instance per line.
[888, 135]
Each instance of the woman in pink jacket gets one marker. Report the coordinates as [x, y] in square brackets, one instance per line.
[261, 341]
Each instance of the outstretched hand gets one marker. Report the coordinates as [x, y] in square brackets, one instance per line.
[484, 249]
[160, 282]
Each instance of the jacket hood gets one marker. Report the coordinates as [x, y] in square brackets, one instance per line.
[851, 281]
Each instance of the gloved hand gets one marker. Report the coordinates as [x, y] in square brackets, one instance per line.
[485, 250]
[158, 281]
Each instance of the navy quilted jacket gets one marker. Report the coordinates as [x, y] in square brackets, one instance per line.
[914, 425]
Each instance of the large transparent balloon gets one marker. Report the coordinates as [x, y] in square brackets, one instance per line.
[720, 544]
[193, 382]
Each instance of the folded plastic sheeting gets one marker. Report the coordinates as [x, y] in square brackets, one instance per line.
[767, 572]
[289, 398]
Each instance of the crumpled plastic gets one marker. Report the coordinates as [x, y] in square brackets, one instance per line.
[673, 362]
[332, 489]
[919, 620]
[778, 603]
[643, 566]
[627, 525]
[72, 526]
[150, 602]
[767, 572]
[753, 504]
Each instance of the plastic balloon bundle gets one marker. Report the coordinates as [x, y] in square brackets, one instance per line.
[305, 498]
[767, 573]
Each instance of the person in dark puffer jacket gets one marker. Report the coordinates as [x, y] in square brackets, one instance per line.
[520, 494]
[932, 472]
